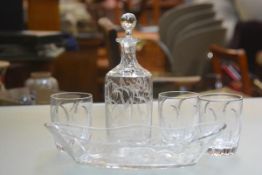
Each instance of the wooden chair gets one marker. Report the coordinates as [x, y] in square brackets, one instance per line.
[239, 57]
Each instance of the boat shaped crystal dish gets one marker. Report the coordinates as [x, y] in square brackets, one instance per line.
[135, 146]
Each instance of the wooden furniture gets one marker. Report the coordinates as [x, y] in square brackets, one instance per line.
[239, 57]
[74, 70]
[153, 36]
[110, 35]
[155, 8]
[77, 70]
[149, 54]
[27, 52]
[43, 15]
[3, 67]
[158, 6]
[19, 70]
[151, 9]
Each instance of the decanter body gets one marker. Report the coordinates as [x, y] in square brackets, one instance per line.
[128, 86]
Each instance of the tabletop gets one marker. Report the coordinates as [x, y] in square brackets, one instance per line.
[27, 148]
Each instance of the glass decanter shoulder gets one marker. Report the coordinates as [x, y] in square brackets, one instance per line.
[132, 71]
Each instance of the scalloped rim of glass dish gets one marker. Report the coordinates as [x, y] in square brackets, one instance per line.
[136, 146]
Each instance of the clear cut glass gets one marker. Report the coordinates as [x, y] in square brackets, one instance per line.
[166, 148]
[128, 86]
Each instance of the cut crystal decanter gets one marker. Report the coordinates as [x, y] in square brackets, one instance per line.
[128, 86]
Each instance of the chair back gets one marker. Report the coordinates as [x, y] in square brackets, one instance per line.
[190, 51]
[239, 57]
[207, 23]
[179, 25]
[172, 15]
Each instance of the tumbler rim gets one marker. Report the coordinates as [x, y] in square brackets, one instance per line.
[59, 96]
[191, 93]
[235, 97]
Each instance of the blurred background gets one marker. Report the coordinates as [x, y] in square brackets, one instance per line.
[69, 45]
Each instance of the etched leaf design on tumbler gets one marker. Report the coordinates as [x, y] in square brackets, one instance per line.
[178, 109]
[71, 108]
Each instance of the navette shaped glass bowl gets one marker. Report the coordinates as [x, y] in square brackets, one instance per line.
[136, 146]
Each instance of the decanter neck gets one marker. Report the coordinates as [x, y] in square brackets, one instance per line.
[128, 56]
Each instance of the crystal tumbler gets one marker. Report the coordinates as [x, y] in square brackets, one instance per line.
[225, 108]
[71, 108]
[177, 109]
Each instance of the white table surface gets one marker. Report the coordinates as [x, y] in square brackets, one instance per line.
[27, 148]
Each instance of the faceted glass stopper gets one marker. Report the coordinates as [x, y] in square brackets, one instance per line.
[128, 22]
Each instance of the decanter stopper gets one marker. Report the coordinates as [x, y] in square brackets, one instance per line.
[128, 23]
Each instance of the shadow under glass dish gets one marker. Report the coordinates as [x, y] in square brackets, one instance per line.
[165, 148]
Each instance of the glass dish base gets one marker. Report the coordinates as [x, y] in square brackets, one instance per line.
[139, 147]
